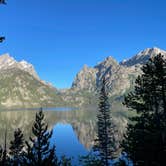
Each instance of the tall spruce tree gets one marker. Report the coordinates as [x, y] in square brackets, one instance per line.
[16, 148]
[145, 140]
[39, 151]
[105, 142]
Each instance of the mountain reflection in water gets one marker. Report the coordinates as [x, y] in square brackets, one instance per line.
[73, 131]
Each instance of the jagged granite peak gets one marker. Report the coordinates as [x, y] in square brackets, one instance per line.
[85, 79]
[143, 56]
[89, 77]
[24, 65]
[120, 76]
[109, 61]
[7, 62]
[105, 67]
[85, 67]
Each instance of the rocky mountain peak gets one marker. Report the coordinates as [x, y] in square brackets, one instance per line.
[143, 56]
[21, 86]
[150, 52]
[6, 56]
[24, 65]
[85, 79]
[109, 61]
[120, 77]
[8, 62]
[85, 68]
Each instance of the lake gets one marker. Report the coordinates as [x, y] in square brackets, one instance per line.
[74, 130]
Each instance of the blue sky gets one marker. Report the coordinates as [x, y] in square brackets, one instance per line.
[59, 36]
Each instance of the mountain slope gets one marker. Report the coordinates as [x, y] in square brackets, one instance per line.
[85, 81]
[121, 76]
[143, 56]
[20, 86]
[8, 62]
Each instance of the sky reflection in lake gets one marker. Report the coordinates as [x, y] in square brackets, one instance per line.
[67, 141]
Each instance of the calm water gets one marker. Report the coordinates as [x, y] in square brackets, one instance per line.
[73, 130]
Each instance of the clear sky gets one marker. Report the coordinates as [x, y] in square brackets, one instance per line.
[59, 36]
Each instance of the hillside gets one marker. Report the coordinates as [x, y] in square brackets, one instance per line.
[21, 87]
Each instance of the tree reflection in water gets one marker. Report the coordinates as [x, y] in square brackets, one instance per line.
[82, 122]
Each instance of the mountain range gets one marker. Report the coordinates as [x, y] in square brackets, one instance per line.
[20, 85]
[121, 77]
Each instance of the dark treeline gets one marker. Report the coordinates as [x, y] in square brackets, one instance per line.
[37, 151]
[145, 140]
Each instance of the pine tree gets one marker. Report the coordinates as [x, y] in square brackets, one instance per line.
[105, 142]
[145, 140]
[16, 148]
[39, 151]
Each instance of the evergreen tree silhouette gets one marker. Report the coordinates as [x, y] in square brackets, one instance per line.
[3, 2]
[2, 39]
[16, 148]
[105, 142]
[145, 140]
[39, 151]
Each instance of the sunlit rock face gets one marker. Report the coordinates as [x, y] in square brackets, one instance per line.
[8, 62]
[143, 56]
[85, 79]
[120, 76]
[21, 87]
